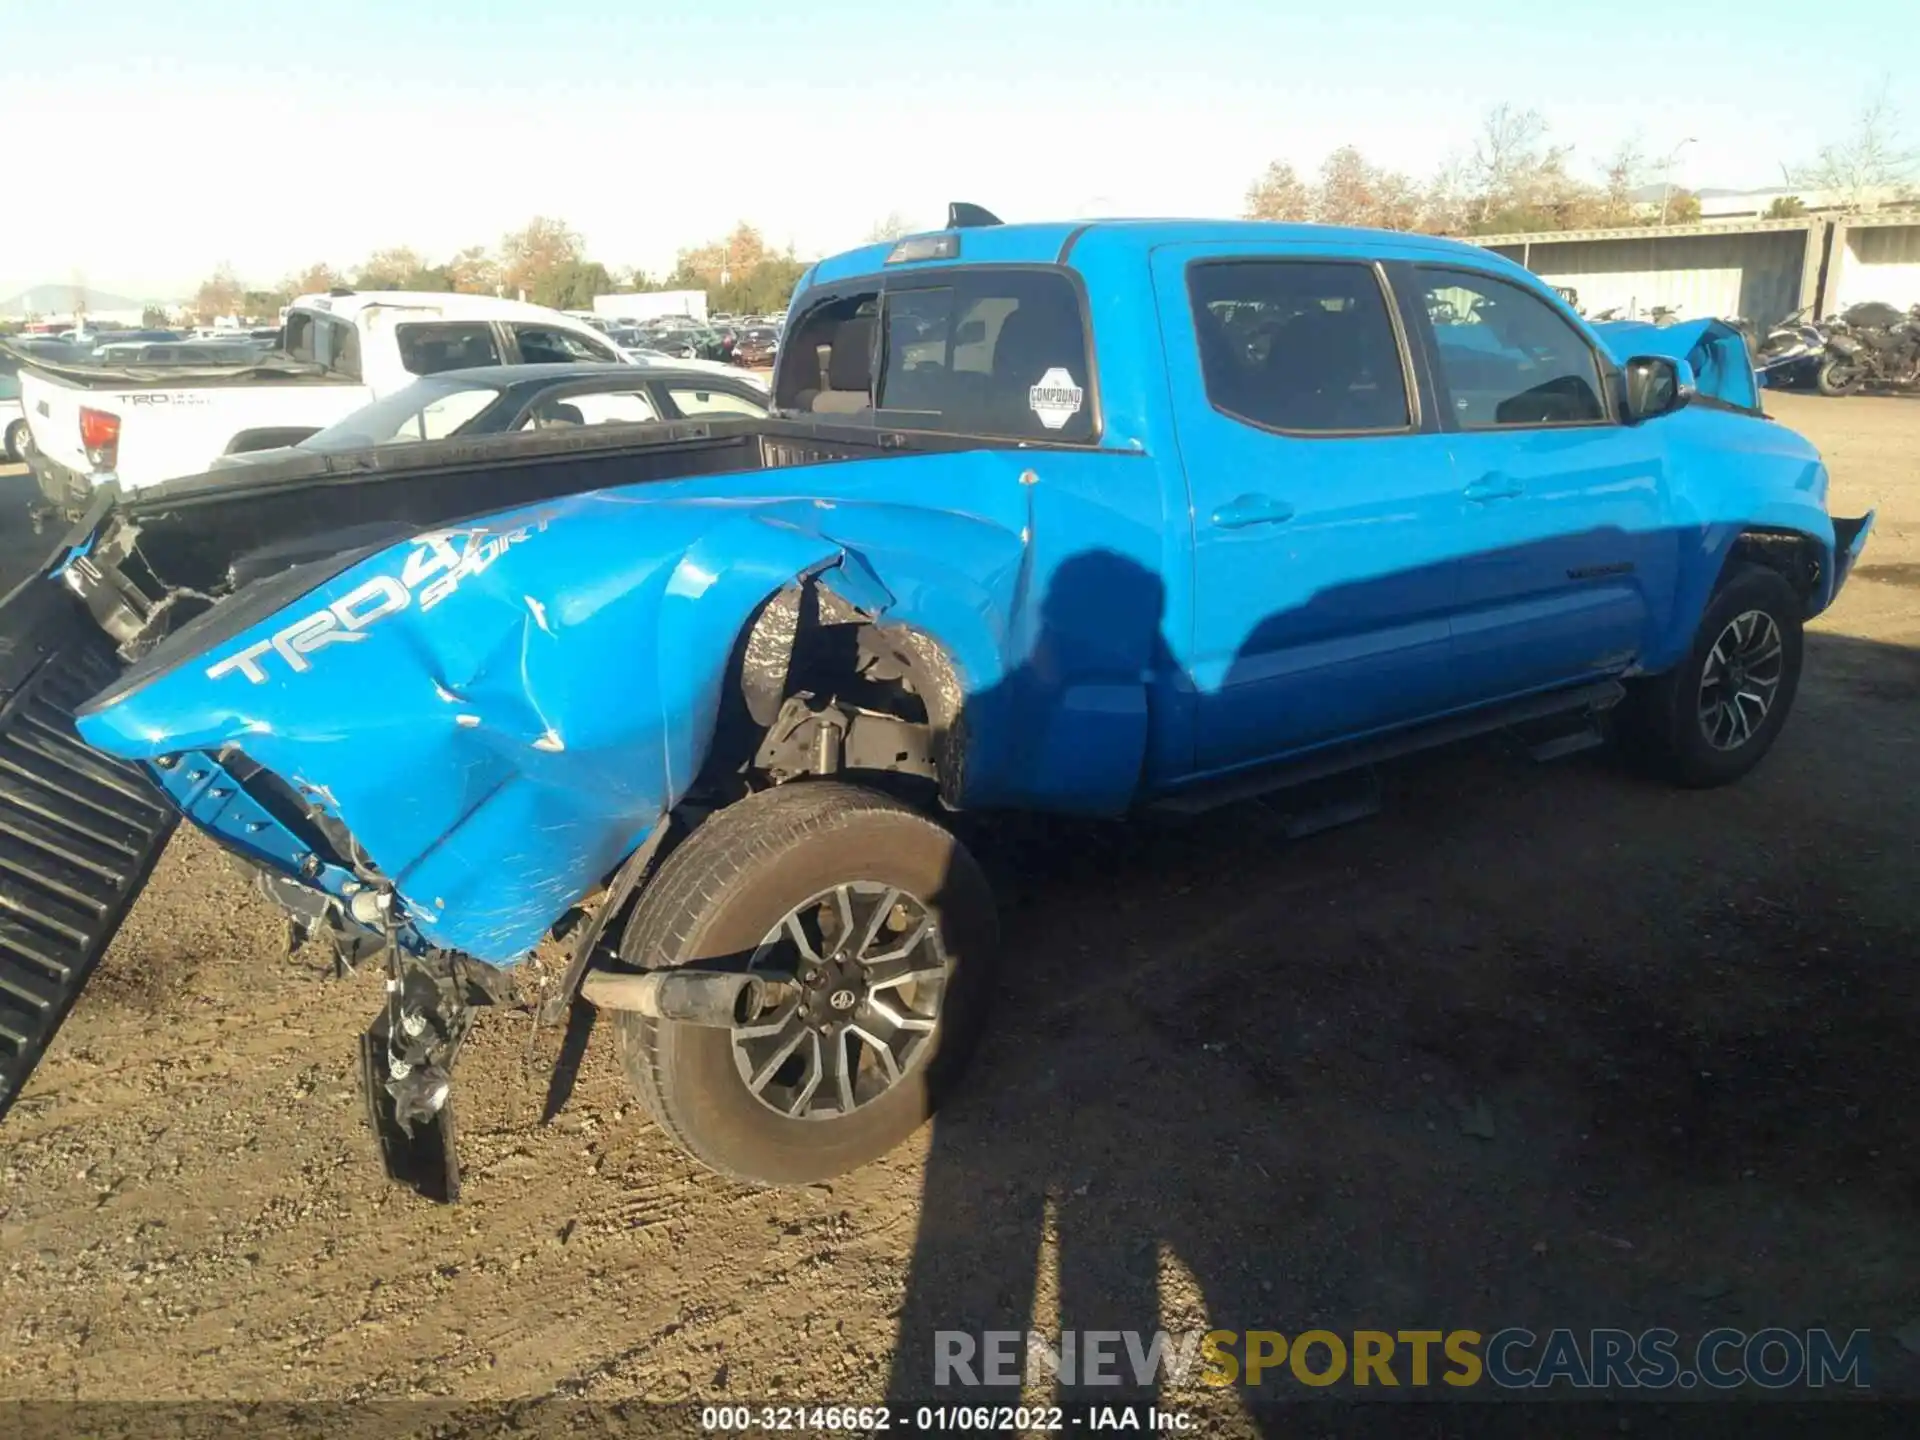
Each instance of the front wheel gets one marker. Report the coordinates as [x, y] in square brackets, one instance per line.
[1837, 377]
[875, 930]
[1713, 717]
[19, 441]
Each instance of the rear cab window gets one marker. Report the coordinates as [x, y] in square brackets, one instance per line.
[325, 341]
[989, 350]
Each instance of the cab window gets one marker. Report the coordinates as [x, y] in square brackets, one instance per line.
[430, 348]
[1300, 346]
[1507, 357]
[549, 345]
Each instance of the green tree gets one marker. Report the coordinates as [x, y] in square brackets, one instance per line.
[1786, 207]
[219, 294]
[265, 305]
[154, 317]
[532, 256]
[572, 285]
[473, 271]
[316, 279]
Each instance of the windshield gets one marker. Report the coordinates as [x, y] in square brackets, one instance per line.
[425, 410]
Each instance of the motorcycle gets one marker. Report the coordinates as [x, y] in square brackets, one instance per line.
[1790, 355]
[1870, 344]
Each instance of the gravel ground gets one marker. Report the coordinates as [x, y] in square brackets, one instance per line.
[1541, 1045]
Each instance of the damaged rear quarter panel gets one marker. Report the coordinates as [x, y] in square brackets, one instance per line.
[498, 713]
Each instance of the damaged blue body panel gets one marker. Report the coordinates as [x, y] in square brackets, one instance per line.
[498, 712]
[1717, 353]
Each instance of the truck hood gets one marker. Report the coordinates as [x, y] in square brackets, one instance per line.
[1722, 365]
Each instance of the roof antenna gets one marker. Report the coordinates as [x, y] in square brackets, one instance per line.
[962, 216]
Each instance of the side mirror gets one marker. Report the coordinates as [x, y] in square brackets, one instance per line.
[1657, 385]
[971, 332]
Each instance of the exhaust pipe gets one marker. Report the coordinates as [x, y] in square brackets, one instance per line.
[685, 996]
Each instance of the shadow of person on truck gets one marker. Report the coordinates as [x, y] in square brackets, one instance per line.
[1394, 1088]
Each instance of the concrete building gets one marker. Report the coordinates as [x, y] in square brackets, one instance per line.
[1762, 270]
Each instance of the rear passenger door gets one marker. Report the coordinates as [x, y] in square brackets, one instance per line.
[1324, 508]
[1568, 557]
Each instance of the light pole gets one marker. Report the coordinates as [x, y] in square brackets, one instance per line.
[1666, 188]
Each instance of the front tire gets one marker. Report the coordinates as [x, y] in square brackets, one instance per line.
[19, 442]
[877, 929]
[1714, 716]
[1837, 377]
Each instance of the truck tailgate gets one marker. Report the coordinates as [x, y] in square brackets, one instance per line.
[177, 427]
[79, 832]
[52, 408]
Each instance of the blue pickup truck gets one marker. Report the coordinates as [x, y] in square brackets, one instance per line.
[1075, 518]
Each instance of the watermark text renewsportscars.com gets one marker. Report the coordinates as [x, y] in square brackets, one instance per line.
[1509, 1359]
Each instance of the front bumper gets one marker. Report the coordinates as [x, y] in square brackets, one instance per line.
[1849, 539]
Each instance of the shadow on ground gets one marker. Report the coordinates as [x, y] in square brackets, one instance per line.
[1543, 1046]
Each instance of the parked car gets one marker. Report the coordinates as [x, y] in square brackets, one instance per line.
[15, 439]
[757, 346]
[139, 427]
[690, 342]
[510, 399]
[708, 724]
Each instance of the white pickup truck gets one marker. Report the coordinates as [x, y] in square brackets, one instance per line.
[140, 425]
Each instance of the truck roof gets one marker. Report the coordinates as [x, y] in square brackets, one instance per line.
[1050, 243]
[455, 306]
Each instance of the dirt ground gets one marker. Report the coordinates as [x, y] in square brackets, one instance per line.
[1541, 1045]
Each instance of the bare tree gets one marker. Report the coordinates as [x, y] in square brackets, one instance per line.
[1280, 194]
[1621, 176]
[890, 228]
[1514, 169]
[1870, 161]
[1348, 192]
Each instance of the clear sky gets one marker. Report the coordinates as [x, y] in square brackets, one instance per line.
[152, 139]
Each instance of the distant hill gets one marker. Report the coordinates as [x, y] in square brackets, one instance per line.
[63, 300]
[1650, 194]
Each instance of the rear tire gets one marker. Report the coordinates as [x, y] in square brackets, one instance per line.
[1714, 716]
[731, 890]
[1837, 377]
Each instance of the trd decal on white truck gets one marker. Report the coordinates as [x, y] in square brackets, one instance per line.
[433, 571]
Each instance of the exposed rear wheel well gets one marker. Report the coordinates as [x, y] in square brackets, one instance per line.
[1793, 556]
[817, 687]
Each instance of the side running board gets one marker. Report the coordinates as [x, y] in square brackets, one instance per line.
[79, 832]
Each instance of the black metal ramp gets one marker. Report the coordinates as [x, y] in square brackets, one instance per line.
[79, 832]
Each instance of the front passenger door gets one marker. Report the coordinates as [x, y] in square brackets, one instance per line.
[1568, 556]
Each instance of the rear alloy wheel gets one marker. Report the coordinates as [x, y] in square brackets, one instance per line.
[875, 931]
[19, 441]
[1715, 715]
[1837, 377]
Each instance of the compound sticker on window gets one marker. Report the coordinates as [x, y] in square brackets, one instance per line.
[1056, 399]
